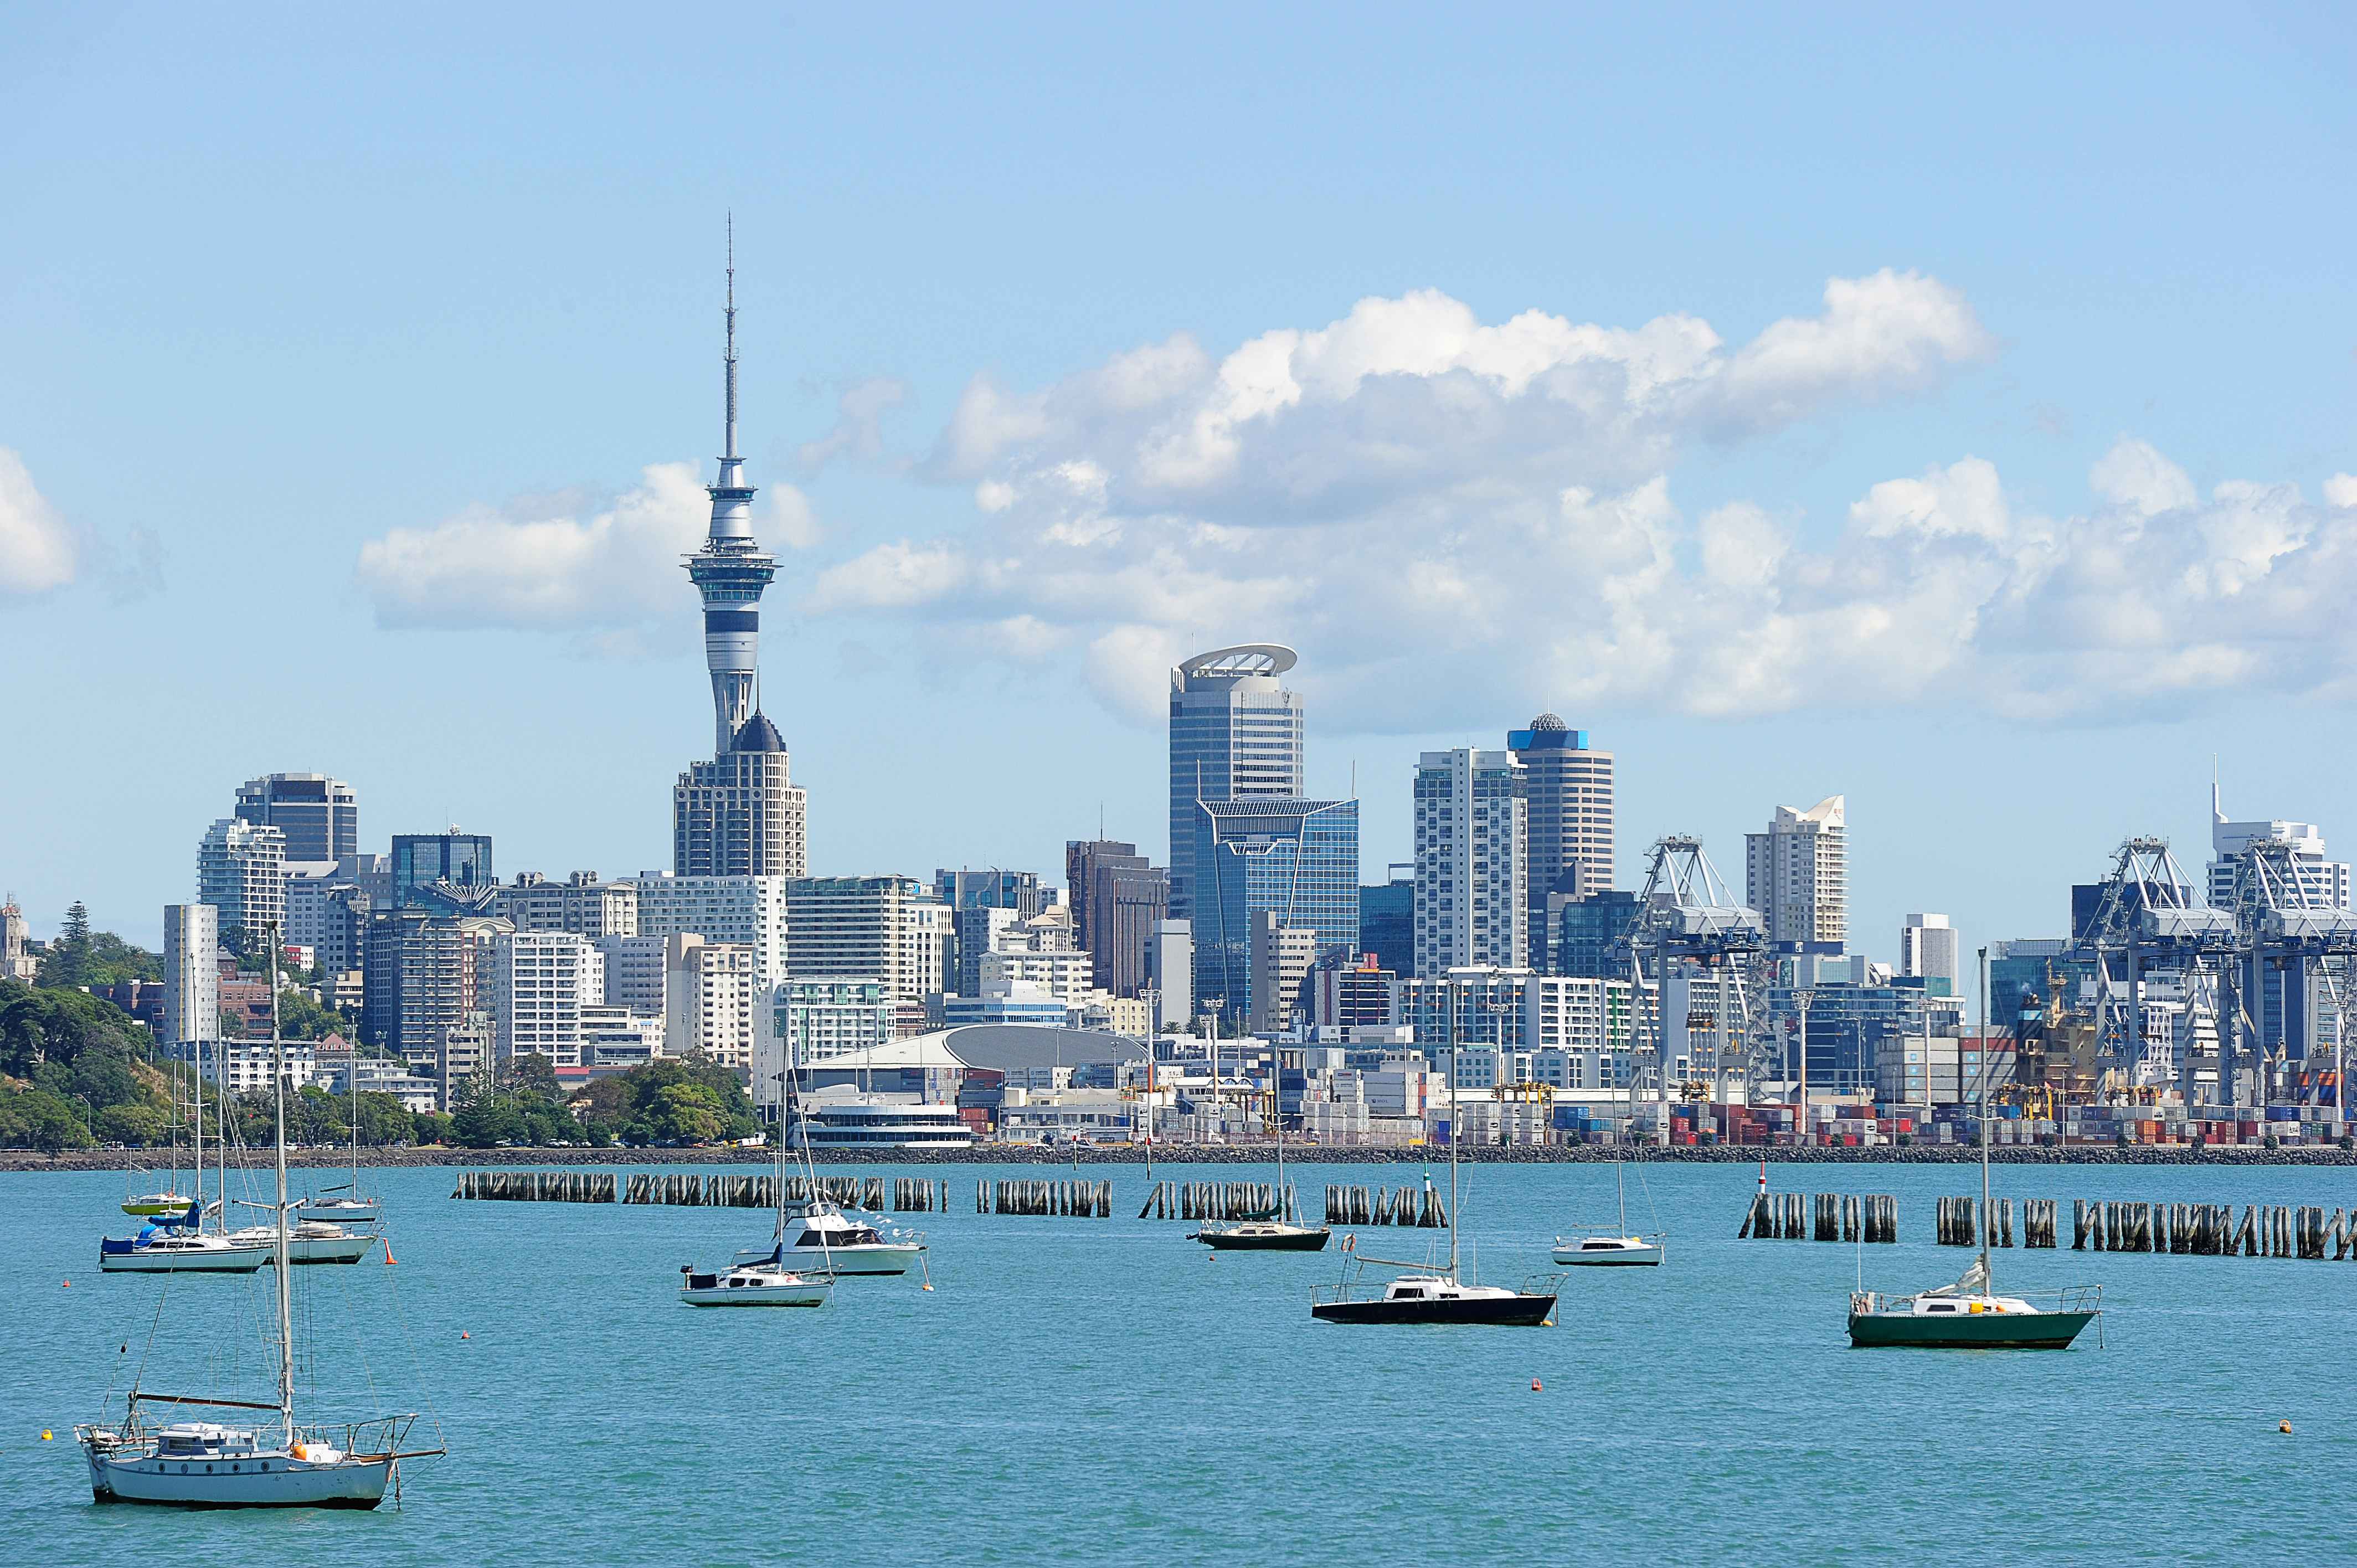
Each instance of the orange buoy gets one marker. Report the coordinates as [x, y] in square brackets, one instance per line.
[2283, 1427]
[65, 1285]
[1534, 1385]
[387, 1252]
[464, 1335]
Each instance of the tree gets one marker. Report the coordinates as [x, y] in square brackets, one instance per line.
[36, 1119]
[301, 1019]
[534, 1073]
[80, 956]
[685, 1113]
[140, 1126]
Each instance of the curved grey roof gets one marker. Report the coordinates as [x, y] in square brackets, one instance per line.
[758, 734]
[1003, 1048]
[1244, 659]
[1548, 721]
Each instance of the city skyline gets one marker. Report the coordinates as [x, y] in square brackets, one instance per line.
[1893, 391]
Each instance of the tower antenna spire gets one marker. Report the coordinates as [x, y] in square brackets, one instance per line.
[732, 336]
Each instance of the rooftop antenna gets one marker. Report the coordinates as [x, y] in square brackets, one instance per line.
[2215, 814]
[732, 335]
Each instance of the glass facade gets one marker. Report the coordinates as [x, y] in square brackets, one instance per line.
[1387, 925]
[1586, 932]
[422, 860]
[1297, 859]
[320, 816]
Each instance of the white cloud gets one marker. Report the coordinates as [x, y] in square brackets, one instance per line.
[40, 551]
[567, 561]
[858, 427]
[2341, 490]
[1424, 503]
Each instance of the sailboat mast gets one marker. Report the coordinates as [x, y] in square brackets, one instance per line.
[1455, 1127]
[1988, 1282]
[286, 1305]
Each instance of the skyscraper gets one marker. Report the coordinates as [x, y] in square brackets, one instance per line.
[191, 972]
[1235, 734]
[1568, 794]
[1797, 873]
[1471, 856]
[1295, 859]
[1116, 898]
[731, 572]
[242, 871]
[451, 872]
[737, 815]
[320, 816]
[1927, 946]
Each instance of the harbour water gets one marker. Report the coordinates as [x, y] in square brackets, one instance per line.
[1084, 1390]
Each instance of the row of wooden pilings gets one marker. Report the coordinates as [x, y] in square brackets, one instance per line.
[536, 1187]
[1374, 1206]
[1832, 1217]
[2207, 1229]
[910, 1194]
[1957, 1222]
[1072, 1199]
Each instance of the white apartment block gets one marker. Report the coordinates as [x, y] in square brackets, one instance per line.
[891, 927]
[1471, 870]
[2324, 884]
[821, 1018]
[241, 1067]
[191, 972]
[242, 871]
[744, 911]
[713, 995]
[537, 983]
[614, 1037]
[1068, 977]
[1281, 960]
[1797, 873]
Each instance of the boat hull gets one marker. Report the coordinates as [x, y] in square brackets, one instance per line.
[1499, 1312]
[1974, 1331]
[1618, 1258]
[217, 1260]
[211, 1483]
[756, 1295]
[1292, 1238]
[891, 1258]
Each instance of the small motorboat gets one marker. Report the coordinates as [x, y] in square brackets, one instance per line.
[1608, 1251]
[820, 1237]
[763, 1284]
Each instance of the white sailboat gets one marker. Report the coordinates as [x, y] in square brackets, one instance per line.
[1596, 1247]
[169, 1245]
[207, 1465]
[756, 1278]
[350, 1208]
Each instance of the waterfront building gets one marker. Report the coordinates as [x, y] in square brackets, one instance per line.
[1568, 808]
[1025, 1002]
[375, 1074]
[820, 1019]
[580, 904]
[319, 816]
[1797, 873]
[1471, 875]
[1363, 995]
[242, 871]
[1116, 897]
[191, 972]
[1387, 919]
[449, 872]
[462, 1057]
[887, 927]
[1067, 975]
[615, 1039]
[1927, 946]
[535, 986]
[1235, 734]
[1295, 859]
[740, 815]
[747, 911]
[711, 995]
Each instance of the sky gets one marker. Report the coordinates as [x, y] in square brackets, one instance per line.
[1950, 410]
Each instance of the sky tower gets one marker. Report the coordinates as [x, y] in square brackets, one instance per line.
[731, 570]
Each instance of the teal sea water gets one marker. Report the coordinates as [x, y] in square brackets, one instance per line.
[1089, 1390]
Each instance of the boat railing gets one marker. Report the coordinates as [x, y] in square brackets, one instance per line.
[1549, 1283]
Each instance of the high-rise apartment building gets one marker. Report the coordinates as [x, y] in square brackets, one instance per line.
[1235, 734]
[2322, 883]
[1927, 946]
[1471, 862]
[1797, 873]
[748, 911]
[993, 889]
[191, 974]
[634, 973]
[1283, 957]
[535, 986]
[884, 927]
[1116, 897]
[740, 815]
[819, 1019]
[1295, 859]
[712, 1001]
[319, 816]
[580, 904]
[1568, 793]
[421, 978]
[242, 871]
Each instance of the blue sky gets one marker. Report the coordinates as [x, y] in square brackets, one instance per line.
[1940, 409]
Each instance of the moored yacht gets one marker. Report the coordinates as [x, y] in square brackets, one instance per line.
[765, 1282]
[815, 1235]
[311, 1242]
[180, 1247]
[1606, 1251]
[1438, 1298]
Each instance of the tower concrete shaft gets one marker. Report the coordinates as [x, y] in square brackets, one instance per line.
[731, 572]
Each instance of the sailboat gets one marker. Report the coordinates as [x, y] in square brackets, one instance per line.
[207, 1465]
[1270, 1232]
[1612, 1249]
[1970, 1314]
[181, 1244]
[352, 1209]
[1423, 1295]
[758, 1278]
[171, 1200]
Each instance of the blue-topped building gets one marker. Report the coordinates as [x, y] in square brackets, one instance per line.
[1297, 859]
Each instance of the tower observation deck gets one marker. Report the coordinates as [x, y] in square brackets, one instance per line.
[731, 572]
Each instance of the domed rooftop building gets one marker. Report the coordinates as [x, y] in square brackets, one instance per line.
[1569, 794]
